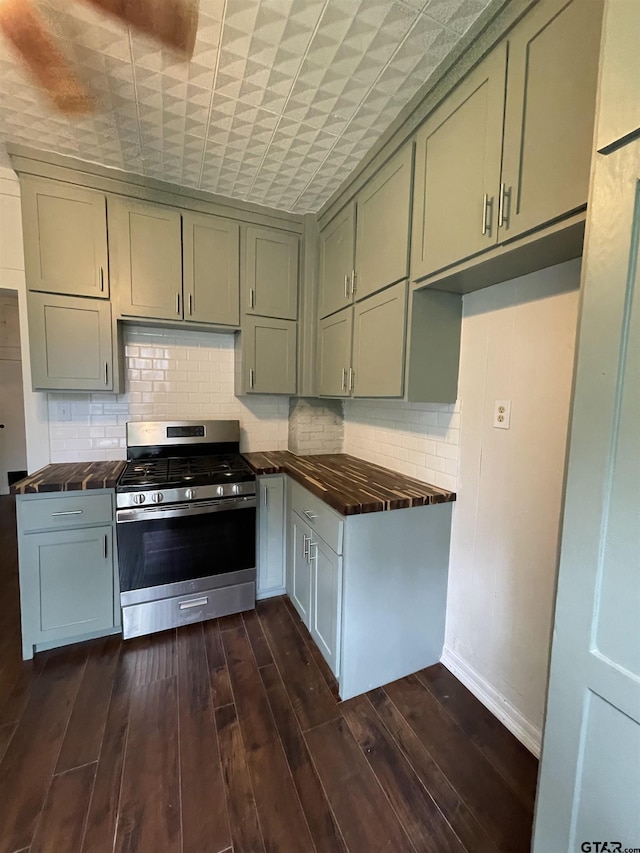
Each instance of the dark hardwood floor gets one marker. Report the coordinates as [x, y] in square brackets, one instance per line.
[228, 736]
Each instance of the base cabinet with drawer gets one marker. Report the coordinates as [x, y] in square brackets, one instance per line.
[68, 571]
[370, 588]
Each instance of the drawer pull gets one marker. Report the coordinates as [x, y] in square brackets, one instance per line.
[309, 514]
[67, 512]
[194, 602]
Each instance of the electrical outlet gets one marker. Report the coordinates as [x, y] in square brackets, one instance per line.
[502, 414]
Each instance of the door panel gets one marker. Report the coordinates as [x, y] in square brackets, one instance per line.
[271, 546]
[590, 779]
[382, 242]
[271, 273]
[211, 257]
[379, 332]
[458, 154]
[146, 251]
[326, 602]
[65, 238]
[299, 586]
[337, 257]
[334, 354]
[70, 342]
[551, 96]
[270, 355]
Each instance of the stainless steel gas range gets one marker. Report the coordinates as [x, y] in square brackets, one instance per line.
[186, 525]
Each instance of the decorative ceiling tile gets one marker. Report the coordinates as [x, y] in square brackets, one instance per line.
[279, 103]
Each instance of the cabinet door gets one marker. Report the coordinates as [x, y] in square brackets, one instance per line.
[67, 583]
[550, 112]
[337, 258]
[379, 333]
[271, 568]
[334, 354]
[146, 258]
[382, 235]
[457, 175]
[299, 579]
[65, 238]
[271, 273]
[70, 342]
[326, 602]
[270, 348]
[211, 257]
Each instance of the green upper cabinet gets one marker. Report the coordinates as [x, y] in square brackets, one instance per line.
[550, 110]
[269, 356]
[65, 238]
[211, 247]
[145, 244]
[71, 343]
[382, 232]
[457, 174]
[378, 344]
[337, 260]
[335, 335]
[271, 273]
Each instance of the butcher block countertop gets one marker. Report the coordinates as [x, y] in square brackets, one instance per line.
[70, 477]
[349, 485]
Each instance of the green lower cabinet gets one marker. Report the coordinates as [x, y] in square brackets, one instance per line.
[299, 567]
[271, 566]
[68, 577]
[326, 601]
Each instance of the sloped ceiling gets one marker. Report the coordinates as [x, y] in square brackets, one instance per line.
[281, 101]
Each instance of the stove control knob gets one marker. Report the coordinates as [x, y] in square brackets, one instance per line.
[157, 497]
[220, 491]
[190, 494]
[139, 499]
[235, 489]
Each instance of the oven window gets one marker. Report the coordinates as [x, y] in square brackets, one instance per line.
[170, 550]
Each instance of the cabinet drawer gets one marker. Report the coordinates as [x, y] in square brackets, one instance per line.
[61, 512]
[320, 518]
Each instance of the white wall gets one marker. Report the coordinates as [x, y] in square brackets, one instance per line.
[518, 341]
[12, 278]
[171, 374]
[416, 439]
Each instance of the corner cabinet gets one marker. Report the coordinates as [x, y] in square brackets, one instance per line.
[65, 238]
[337, 258]
[266, 356]
[68, 572]
[347, 576]
[271, 535]
[71, 343]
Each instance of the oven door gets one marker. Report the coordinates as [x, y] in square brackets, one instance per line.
[180, 544]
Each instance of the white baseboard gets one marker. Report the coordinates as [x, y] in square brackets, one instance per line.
[270, 593]
[518, 725]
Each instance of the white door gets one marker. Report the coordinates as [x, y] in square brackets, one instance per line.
[13, 452]
[590, 773]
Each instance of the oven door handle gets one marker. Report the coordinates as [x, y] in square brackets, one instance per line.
[184, 510]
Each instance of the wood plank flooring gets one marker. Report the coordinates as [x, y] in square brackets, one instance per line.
[228, 737]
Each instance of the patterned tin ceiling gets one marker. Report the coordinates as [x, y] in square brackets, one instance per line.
[281, 100]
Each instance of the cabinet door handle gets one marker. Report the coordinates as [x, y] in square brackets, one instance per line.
[486, 220]
[251, 377]
[309, 514]
[106, 373]
[344, 379]
[352, 377]
[102, 279]
[306, 541]
[67, 512]
[315, 556]
[354, 278]
[178, 304]
[505, 194]
[190, 304]
[252, 298]
[266, 496]
[346, 285]
[106, 547]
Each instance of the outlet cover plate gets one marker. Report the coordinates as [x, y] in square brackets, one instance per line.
[502, 414]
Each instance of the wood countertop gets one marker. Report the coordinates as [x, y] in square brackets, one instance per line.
[70, 477]
[349, 485]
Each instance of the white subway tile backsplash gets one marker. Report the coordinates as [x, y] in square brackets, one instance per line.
[170, 374]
